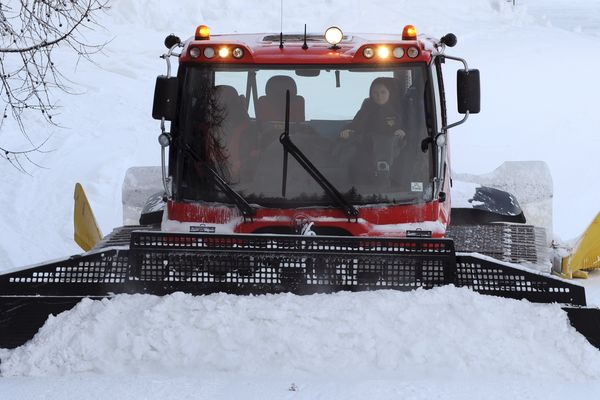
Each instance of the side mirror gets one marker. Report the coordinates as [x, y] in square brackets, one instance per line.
[468, 91]
[171, 41]
[165, 98]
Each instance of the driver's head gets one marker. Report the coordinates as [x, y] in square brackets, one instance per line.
[380, 91]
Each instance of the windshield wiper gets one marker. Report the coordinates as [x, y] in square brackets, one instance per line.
[245, 208]
[291, 148]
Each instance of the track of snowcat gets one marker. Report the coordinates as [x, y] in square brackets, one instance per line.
[161, 263]
[515, 243]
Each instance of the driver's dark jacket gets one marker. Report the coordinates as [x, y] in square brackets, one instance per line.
[375, 119]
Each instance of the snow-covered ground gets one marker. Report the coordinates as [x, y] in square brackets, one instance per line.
[537, 63]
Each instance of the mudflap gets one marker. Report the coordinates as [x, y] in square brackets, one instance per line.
[160, 263]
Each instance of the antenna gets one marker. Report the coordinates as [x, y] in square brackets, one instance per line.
[281, 30]
[304, 46]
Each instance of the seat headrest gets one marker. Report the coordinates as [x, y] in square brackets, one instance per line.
[226, 94]
[278, 84]
[231, 103]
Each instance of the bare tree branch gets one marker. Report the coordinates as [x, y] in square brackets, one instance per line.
[30, 32]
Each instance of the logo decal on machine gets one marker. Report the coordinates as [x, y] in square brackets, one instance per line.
[416, 186]
[202, 229]
[418, 234]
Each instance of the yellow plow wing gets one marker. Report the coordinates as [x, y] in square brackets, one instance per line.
[585, 255]
[86, 231]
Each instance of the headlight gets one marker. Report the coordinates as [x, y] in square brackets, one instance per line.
[194, 52]
[223, 52]
[412, 52]
[209, 52]
[237, 52]
[368, 52]
[398, 52]
[441, 140]
[383, 52]
[164, 139]
[333, 35]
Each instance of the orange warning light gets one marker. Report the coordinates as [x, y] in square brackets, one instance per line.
[409, 33]
[202, 32]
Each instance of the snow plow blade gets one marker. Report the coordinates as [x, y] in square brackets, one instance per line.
[85, 227]
[586, 254]
[161, 263]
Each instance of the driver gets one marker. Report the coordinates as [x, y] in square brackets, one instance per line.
[375, 133]
[378, 114]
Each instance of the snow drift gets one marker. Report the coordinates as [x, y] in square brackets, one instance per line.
[446, 330]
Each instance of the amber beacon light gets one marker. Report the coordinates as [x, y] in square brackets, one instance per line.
[409, 33]
[202, 32]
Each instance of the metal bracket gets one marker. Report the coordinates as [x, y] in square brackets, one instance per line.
[163, 157]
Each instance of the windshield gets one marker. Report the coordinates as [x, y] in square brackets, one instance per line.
[362, 128]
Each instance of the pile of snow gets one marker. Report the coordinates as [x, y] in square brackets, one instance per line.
[442, 331]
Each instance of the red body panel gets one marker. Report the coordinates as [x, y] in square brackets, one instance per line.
[376, 220]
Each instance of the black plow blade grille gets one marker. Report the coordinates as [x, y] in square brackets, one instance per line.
[161, 263]
[493, 278]
[299, 264]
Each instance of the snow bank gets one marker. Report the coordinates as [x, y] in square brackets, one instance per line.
[445, 330]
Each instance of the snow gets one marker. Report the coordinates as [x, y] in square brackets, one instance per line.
[385, 336]
[538, 103]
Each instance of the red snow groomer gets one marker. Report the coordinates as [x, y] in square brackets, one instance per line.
[301, 163]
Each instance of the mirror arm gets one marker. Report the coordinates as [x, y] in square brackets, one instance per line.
[462, 121]
[462, 60]
[168, 55]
